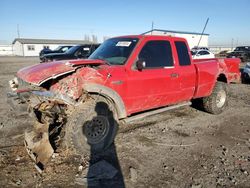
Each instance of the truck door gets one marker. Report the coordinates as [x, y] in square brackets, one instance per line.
[157, 83]
[186, 70]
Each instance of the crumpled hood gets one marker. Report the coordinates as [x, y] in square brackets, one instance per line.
[38, 74]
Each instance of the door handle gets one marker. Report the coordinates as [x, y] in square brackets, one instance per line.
[174, 75]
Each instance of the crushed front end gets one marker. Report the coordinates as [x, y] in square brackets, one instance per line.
[49, 113]
[50, 92]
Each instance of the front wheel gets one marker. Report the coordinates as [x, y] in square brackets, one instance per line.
[217, 102]
[92, 127]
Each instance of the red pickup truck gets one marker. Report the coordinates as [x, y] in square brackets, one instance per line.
[78, 103]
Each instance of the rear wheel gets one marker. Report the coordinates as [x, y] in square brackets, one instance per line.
[92, 128]
[217, 102]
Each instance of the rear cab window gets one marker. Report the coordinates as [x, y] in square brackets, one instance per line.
[157, 54]
[182, 52]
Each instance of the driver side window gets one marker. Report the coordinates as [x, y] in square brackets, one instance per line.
[157, 54]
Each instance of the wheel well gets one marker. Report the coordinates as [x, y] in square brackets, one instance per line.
[110, 100]
[109, 94]
[222, 78]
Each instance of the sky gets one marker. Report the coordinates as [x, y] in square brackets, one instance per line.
[229, 20]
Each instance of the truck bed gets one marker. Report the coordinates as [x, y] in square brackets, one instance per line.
[231, 65]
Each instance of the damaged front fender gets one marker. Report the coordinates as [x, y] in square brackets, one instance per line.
[51, 100]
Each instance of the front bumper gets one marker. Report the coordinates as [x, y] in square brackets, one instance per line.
[19, 97]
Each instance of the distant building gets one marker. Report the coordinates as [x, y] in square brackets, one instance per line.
[32, 47]
[191, 37]
[6, 50]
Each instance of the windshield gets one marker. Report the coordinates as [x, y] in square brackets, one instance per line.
[115, 51]
[72, 50]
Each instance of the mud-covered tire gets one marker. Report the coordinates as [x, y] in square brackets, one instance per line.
[217, 102]
[92, 127]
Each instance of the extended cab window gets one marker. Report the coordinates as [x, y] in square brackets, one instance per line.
[182, 52]
[157, 54]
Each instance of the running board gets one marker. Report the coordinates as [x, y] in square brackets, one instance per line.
[150, 113]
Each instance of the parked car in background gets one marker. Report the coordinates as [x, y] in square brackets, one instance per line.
[59, 49]
[75, 52]
[202, 54]
[242, 52]
[199, 48]
[246, 73]
[223, 53]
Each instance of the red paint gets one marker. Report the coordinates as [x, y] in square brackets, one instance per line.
[229, 66]
[71, 85]
[36, 74]
[79, 62]
[234, 74]
[139, 90]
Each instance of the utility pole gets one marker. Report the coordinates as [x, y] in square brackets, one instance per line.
[203, 32]
[232, 44]
[18, 32]
[152, 27]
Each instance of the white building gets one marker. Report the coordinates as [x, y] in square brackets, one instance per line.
[32, 47]
[6, 50]
[191, 37]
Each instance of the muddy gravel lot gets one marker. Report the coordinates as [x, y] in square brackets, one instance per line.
[180, 148]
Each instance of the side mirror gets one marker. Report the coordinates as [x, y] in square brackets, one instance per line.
[140, 64]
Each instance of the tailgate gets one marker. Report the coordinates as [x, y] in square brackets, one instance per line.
[233, 68]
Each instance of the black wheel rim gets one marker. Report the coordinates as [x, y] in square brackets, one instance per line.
[96, 129]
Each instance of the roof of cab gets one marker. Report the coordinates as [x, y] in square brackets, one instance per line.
[150, 36]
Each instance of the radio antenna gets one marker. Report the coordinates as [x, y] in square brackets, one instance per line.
[18, 31]
[202, 32]
[152, 27]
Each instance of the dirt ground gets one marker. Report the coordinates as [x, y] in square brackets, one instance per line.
[180, 148]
